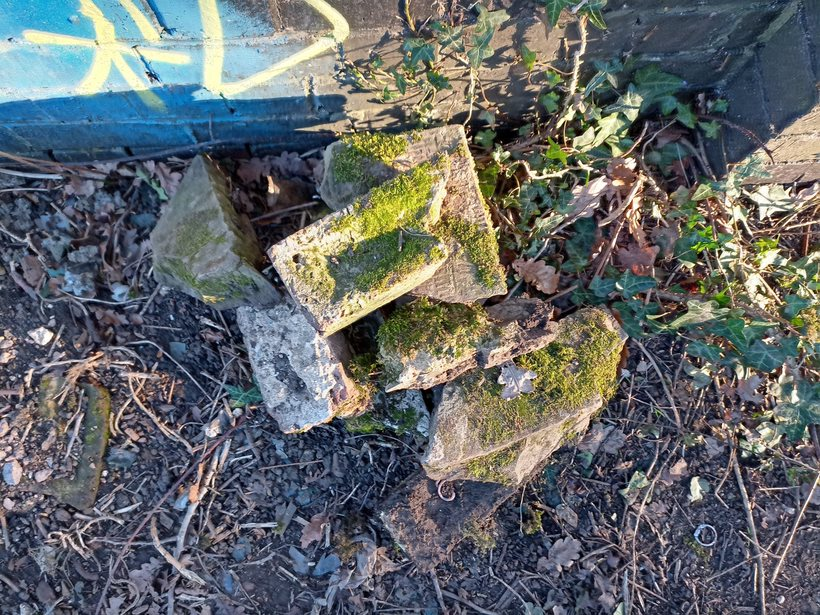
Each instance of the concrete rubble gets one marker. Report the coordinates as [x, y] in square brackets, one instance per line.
[508, 384]
[300, 373]
[203, 248]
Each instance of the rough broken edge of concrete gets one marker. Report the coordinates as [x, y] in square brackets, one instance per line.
[301, 375]
[521, 326]
[80, 491]
[237, 280]
[441, 449]
[457, 281]
[427, 527]
[330, 315]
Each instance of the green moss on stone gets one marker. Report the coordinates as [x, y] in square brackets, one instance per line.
[572, 370]
[479, 243]
[386, 239]
[361, 148]
[439, 329]
[491, 468]
[211, 290]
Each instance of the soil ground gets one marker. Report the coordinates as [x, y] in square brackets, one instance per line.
[272, 510]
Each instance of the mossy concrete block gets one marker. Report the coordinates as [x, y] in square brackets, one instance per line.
[203, 248]
[477, 434]
[363, 160]
[422, 345]
[301, 375]
[428, 528]
[354, 261]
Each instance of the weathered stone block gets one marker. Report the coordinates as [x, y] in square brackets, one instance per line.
[363, 160]
[422, 345]
[301, 374]
[352, 262]
[478, 434]
[427, 527]
[204, 248]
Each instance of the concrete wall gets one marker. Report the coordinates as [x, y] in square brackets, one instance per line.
[99, 78]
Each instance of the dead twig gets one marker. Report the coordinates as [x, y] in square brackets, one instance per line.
[794, 528]
[466, 602]
[188, 574]
[744, 496]
[164, 429]
[439, 596]
[663, 382]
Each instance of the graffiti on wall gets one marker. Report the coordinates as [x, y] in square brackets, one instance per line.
[138, 65]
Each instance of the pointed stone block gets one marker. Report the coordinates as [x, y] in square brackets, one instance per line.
[354, 261]
[360, 161]
[301, 375]
[477, 434]
[203, 248]
[422, 345]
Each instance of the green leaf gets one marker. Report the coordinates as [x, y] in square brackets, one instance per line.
[448, 36]
[486, 25]
[528, 58]
[771, 199]
[550, 101]
[485, 138]
[710, 129]
[702, 350]
[793, 419]
[654, 86]
[703, 192]
[420, 50]
[584, 141]
[602, 287]
[401, 81]
[554, 8]
[241, 397]
[686, 116]
[721, 105]
[596, 18]
[699, 312]
[555, 152]
[630, 284]
[763, 356]
[628, 104]
[795, 305]
[732, 329]
[633, 488]
[608, 126]
[438, 81]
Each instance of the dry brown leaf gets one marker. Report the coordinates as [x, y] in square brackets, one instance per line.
[544, 277]
[640, 261]
[563, 552]
[314, 530]
[32, 270]
[622, 173]
[81, 187]
[666, 237]
[746, 389]
[253, 170]
[587, 198]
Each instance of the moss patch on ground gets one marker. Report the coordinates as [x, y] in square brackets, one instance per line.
[438, 329]
[578, 366]
[361, 148]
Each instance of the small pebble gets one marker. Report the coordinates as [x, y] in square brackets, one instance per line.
[12, 472]
[41, 336]
[8, 503]
[4, 427]
[42, 475]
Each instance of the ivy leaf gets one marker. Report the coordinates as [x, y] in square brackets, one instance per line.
[602, 287]
[630, 284]
[702, 350]
[485, 138]
[633, 488]
[448, 36]
[528, 57]
[699, 312]
[420, 50]
[656, 86]
[486, 25]
[438, 81]
[628, 104]
[686, 116]
[585, 140]
[763, 356]
[771, 199]
[710, 129]
[793, 419]
[554, 8]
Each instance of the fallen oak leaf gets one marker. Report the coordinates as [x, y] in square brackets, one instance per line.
[746, 389]
[564, 552]
[640, 261]
[544, 277]
[314, 530]
[586, 198]
[516, 381]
